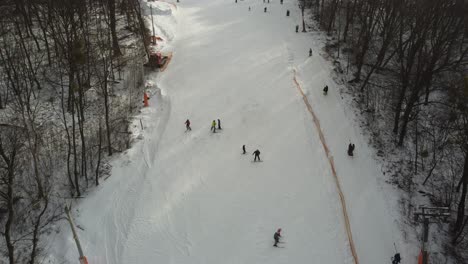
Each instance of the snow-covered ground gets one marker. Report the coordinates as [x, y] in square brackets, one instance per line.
[192, 197]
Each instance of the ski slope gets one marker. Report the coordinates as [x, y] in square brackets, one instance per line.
[192, 197]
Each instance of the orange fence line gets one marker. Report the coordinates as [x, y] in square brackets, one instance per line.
[332, 165]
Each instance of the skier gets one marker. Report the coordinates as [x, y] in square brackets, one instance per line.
[264, 10]
[297, 28]
[187, 125]
[249, 8]
[310, 52]
[257, 155]
[213, 126]
[281, 1]
[287, 12]
[396, 259]
[325, 90]
[219, 124]
[243, 149]
[350, 149]
[277, 237]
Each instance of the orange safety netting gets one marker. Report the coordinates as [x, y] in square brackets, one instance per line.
[332, 165]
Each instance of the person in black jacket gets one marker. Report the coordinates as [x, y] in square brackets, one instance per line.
[187, 125]
[257, 155]
[396, 259]
[243, 149]
[350, 149]
[277, 237]
[325, 90]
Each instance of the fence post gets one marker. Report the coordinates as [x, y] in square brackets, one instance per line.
[82, 258]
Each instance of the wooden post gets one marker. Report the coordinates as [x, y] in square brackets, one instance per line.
[82, 258]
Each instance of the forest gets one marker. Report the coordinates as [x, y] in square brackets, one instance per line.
[405, 62]
[70, 81]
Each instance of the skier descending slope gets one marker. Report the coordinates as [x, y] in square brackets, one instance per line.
[277, 237]
[257, 155]
[396, 259]
[351, 149]
[325, 90]
[213, 126]
[187, 125]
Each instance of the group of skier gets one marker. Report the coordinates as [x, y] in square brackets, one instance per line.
[256, 153]
[213, 128]
[213, 125]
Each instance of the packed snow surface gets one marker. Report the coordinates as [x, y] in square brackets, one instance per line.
[192, 197]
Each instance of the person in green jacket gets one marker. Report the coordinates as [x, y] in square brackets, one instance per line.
[213, 126]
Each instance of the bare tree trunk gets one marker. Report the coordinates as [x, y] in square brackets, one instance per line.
[461, 203]
[75, 161]
[37, 227]
[99, 153]
[106, 108]
[115, 42]
[9, 159]
[333, 11]
[349, 18]
[406, 115]
[69, 147]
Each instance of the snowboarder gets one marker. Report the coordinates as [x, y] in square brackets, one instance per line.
[325, 90]
[350, 149]
[396, 259]
[243, 149]
[187, 125]
[310, 52]
[277, 237]
[264, 10]
[213, 126]
[219, 124]
[297, 28]
[287, 12]
[257, 155]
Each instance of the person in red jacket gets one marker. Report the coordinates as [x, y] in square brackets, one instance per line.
[187, 125]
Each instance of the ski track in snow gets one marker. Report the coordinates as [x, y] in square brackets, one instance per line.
[192, 197]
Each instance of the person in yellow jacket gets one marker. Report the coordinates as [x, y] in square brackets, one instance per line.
[213, 126]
